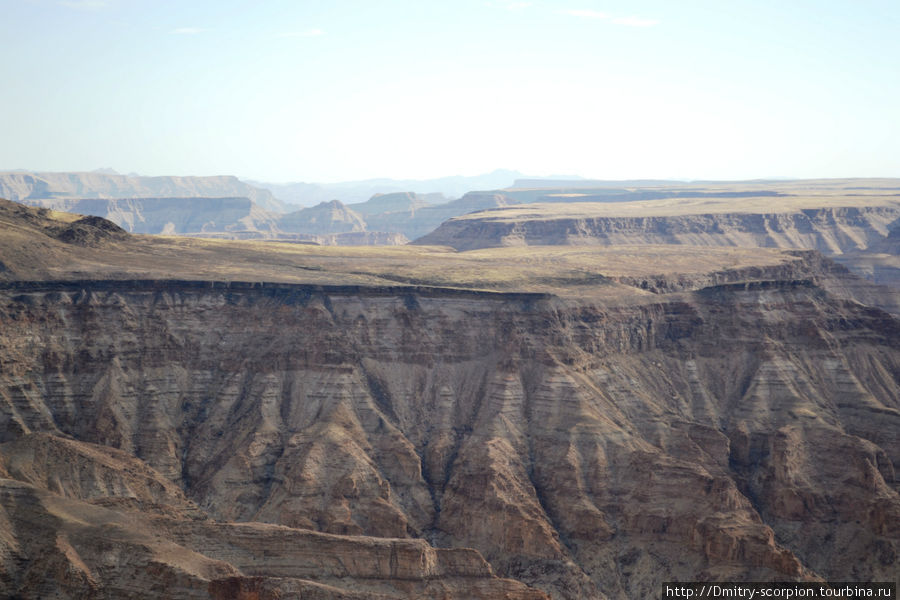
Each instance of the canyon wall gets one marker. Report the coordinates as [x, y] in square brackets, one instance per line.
[172, 215]
[26, 186]
[425, 442]
[829, 230]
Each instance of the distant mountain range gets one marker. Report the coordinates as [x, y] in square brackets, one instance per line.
[226, 207]
[353, 192]
[275, 197]
[383, 219]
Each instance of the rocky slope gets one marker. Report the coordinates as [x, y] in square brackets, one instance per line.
[833, 230]
[583, 451]
[397, 202]
[30, 187]
[890, 244]
[60, 547]
[172, 215]
[324, 218]
[881, 262]
[329, 223]
[420, 221]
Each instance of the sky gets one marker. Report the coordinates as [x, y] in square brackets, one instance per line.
[337, 90]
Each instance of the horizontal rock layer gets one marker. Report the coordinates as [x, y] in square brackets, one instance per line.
[585, 451]
[829, 230]
[25, 187]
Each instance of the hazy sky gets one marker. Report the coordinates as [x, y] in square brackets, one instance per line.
[305, 90]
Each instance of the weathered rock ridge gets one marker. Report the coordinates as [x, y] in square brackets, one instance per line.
[172, 215]
[585, 451]
[832, 230]
[25, 187]
[330, 224]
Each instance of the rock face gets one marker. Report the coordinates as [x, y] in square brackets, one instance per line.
[395, 443]
[398, 202]
[880, 262]
[426, 219]
[60, 547]
[890, 244]
[25, 187]
[324, 218]
[412, 215]
[172, 215]
[829, 230]
[406, 213]
[329, 224]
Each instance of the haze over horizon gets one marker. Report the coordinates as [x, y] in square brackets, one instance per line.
[349, 90]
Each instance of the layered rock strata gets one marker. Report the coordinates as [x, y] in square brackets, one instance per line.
[33, 187]
[832, 230]
[414, 443]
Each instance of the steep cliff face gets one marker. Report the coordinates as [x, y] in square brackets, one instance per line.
[395, 203]
[30, 187]
[60, 547]
[324, 218]
[172, 215]
[417, 219]
[218, 218]
[746, 430]
[833, 230]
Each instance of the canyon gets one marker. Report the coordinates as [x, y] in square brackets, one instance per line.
[25, 186]
[217, 419]
[837, 227]
[857, 229]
